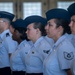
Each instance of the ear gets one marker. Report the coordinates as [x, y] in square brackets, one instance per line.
[37, 30]
[6, 23]
[60, 28]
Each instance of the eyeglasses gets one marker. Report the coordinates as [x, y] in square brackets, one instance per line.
[1, 21]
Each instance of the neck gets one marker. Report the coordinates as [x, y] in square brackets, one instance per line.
[19, 41]
[34, 40]
[56, 38]
[1, 31]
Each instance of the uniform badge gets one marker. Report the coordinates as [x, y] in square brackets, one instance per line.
[68, 56]
[7, 34]
[46, 51]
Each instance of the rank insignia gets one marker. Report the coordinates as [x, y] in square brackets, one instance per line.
[68, 56]
[46, 51]
[7, 34]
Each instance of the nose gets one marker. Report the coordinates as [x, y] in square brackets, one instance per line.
[70, 23]
[46, 27]
[26, 32]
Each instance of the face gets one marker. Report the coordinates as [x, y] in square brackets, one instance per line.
[31, 32]
[2, 25]
[16, 35]
[51, 29]
[72, 24]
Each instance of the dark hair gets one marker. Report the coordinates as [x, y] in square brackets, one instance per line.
[41, 28]
[64, 24]
[22, 31]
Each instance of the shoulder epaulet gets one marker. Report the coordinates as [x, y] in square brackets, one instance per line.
[7, 34]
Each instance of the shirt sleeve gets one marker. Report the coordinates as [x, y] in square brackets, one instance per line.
[10, 44]
[65, 56]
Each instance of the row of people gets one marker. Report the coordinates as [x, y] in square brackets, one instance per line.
[40, 46]
[37, 46]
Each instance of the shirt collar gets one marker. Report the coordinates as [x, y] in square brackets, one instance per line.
[38, 41]
[59, 40]
[73, 35]
[3, 34]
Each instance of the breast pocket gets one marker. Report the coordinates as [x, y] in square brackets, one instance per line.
[34, 58]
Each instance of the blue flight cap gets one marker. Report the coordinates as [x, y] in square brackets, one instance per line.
[71, 9]
[4, 14]
[19, 23]
[58, 13]
[35, 19]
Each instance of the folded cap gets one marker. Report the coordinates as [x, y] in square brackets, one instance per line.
[19, 23]
[4, 14]
[58, 13]
[71, 9]
[35, 19]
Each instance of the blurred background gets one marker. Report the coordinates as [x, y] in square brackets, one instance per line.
[24, 8]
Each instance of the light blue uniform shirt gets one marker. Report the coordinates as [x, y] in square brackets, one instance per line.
[37, 54]
[60, 58]
[16, 59]
[7, 45]
[73, 67]
[72, 39]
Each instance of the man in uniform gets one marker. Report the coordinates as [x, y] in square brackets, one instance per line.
[7, 45]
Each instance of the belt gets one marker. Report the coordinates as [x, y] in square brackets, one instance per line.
[5, 70]
[18, 72]
[34, 73]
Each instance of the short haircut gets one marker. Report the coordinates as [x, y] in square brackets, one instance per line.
[64, 24]
[40, 27]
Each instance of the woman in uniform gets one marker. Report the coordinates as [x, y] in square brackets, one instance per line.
[39, 46]
[62, 53]
[19, 35]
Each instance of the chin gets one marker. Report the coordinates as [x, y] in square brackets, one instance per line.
[28, 37]
[73, 33]
[48, 36]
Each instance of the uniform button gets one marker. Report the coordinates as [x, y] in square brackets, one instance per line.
[54, 49]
